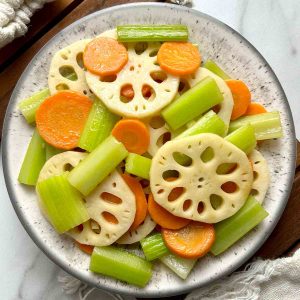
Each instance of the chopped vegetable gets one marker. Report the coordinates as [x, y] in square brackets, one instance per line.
[192, 241]
[117, 263]
[60, 119]
[134, 134]
[255, 108]
[179, 265]
[152, 33]
[98, 126]
[105, 56]
[241, 97]
[162, 217]
[97, 165]
[88, 249]
[140, 199]
[153, 246]
[51, 151]
[61, 203]
[138, 165]
[266, 125]
[213, 67]
[34, 160]
[197, 100]
[232, 229]
[179, 58]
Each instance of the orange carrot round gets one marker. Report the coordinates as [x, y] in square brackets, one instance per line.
[88, 249]
[163, 218]
[105, 56]
[140, 200]
[134, 134]
[179, 58]
[61, 117]
[255, 108]
[192, 241]
[241, 97]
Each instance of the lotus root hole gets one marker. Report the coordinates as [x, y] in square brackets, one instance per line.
[187, 204]
[110, 198]
[62, 86]
[148, 92]
[157, 122]
[165, 137]
[79, 60]
[140, 47]
[182, 159]
[215, 201]
[226, 168]
[95, 226]
[255, 175]
[207, 155]
[158, 76]
[200, 207]
[68, 167]
[229, 187]
[170, 175]
[153, 53]
[68, 72]
[175, 193]
[254, 192]
[110, 218]
[217, 108]
[126, 93]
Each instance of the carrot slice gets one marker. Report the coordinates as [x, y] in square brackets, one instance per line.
[134, 134]
[140, 200]
[179, 58]
[105, 56]
[163, 218]
[192, 241]
[88, 249]
[255, 108]
[128, 92]
[241, 97]
[61, 117]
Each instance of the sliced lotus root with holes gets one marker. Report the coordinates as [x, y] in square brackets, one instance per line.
[111, 207]
[60, 163]
[261, 175]
[225, 107]
[134, 236]
[141, 71]
[186, 178]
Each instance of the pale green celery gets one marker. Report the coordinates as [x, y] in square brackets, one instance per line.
[138, 165]
[193, 103]
[152, 33]
[61, 203]
[97, 165]
[98, 126]
[180, 266]
[243, 138]
[213, 67]
[51, 151]
[34, 160]
[30, 105]
[266, 125]
[209, 123]
[232, 229]
[117, 263]
[154, 246]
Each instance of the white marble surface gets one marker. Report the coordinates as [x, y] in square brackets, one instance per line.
[272, 26]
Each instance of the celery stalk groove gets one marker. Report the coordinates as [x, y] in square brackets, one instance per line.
[154, 246]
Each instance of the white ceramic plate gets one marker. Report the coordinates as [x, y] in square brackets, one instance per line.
[218, 42]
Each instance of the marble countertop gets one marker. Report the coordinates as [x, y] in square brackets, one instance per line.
[272, 26]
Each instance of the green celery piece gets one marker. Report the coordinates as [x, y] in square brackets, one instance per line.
[209, 123]
[213, 67]
[179, 265]
[138, 165]
[117, 263]
[243, 138]
[232, 229]
[34, 160]
[266, 125]
[193, 103]
[51, 151]
[154, 246]
[61, 203]
[152, 33]
[98, 126]
[97, 165]
[30, 105]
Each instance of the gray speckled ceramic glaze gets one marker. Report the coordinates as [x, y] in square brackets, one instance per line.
[216, 41]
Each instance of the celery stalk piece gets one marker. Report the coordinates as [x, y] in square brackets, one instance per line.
[98, 126]
[34, 160]
[51, 151]
[194, 102]
[61, 203]
[266, 125]
[232, 229]
[97, 165]
[209, 123]
[154, 246]
[213, 67]
[243, 138]
[117, 263]
[30, 105]
[138, 165]
[152, 33]
[179, 265]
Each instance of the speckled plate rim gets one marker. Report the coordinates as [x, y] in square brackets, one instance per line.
[63, 264]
